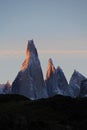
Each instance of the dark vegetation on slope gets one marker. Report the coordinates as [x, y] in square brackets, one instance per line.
[56, 113]
[11, 98]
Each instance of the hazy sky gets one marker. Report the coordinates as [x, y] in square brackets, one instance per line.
[58, 28]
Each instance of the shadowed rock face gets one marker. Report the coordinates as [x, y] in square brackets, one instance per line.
[29, 81]
[61, 81]
[83, 88]
[75, 83]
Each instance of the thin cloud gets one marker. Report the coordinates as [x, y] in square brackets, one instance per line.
[63, 51]
[4, 53]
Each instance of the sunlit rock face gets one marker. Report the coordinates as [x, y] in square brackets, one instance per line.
[56, 82]
[51, 79]
[75, 83]
[29, 81]
[83, 88]
[31, 56]
[50, 69]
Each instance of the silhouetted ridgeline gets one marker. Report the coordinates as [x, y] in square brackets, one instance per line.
[56, 113]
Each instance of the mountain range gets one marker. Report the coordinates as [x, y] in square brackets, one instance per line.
[30, 83]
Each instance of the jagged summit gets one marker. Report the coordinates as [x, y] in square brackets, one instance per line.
[31, 49]
[50, 61]
[75, 83]
[77, 74]
[31, 53]
[59, 68]
[30, 82]
[50, 68]
[55, 80]
[50, 81]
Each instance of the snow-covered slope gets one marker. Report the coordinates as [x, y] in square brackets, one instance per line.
[29, 81]
[75, 83]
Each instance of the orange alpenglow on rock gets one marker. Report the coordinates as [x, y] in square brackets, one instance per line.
[31, 52]
[50, 68]
[56, 82]
[29, 81]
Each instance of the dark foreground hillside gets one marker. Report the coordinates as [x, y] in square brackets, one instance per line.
[56, 113]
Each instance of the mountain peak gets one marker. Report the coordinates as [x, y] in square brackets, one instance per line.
[31, 53]
[77, 73]
[50, 68]
[31, 49]
[29, 81]
[59, 68]
[50, 61]
[75, 83]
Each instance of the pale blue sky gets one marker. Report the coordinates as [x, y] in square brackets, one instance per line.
[55, 25]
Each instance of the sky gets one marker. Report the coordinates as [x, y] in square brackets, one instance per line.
[58, 28]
